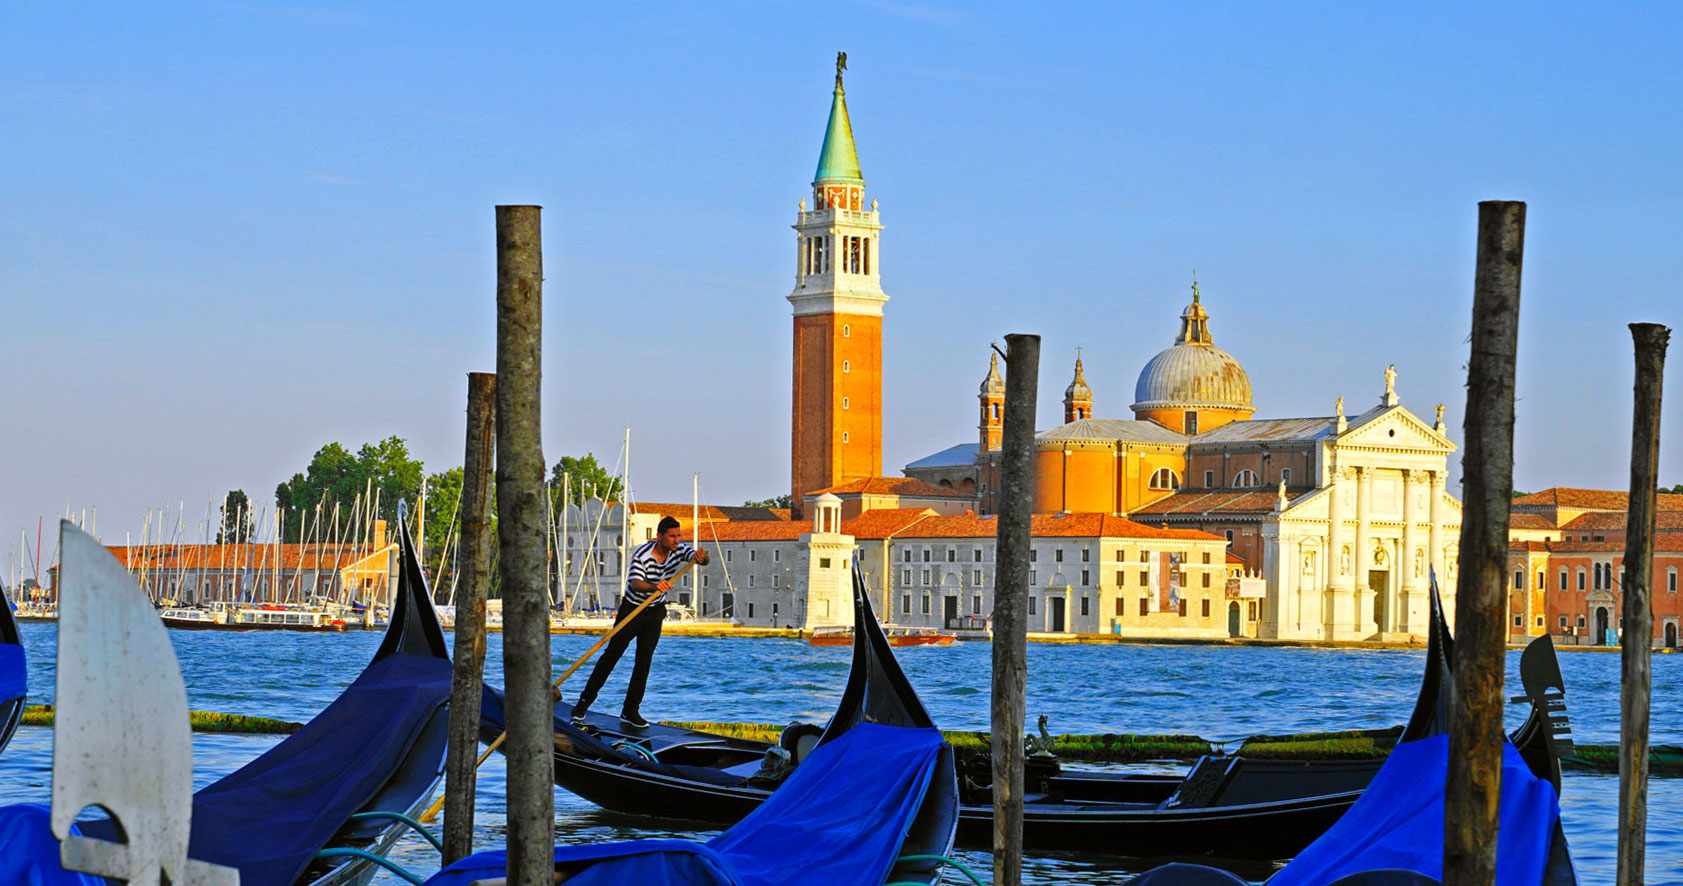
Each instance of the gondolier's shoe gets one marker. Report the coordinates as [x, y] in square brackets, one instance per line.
[578, 714]
[634, 720]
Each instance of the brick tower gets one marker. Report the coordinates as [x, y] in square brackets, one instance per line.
[836, 422]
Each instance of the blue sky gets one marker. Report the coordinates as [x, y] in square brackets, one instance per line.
[230, 233]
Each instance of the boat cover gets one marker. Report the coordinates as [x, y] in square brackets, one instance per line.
[13, 673]
[1398, 822]
[840, 818]
[269, 817]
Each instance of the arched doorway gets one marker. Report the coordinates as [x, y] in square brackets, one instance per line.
[1671, 635]
[1601, 626]
[1235, 625]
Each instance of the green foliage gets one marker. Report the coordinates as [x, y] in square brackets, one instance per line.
[585, 478]
[781, 501]
[1675, 490]
[336, 477]
[237, 523]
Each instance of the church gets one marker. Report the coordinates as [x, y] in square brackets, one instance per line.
[1342, 516]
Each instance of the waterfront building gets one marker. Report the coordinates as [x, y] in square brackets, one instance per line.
[196, 575]
[1343, 517]
[1566, 562]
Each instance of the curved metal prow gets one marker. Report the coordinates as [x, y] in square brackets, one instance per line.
[877, 689]
[1546, 734]
[414, 627]
[1431, 708]
[121, 740]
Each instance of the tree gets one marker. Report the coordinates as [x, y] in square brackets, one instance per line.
[336, 477]
[237, 523]
[782, 501]
[585, 477]
[1675, 490]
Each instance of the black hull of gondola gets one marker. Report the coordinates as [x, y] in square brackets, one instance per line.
[11, 709]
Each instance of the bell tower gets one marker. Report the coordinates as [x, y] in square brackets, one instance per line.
[992, 395]
[1078, 398]
[836, 420]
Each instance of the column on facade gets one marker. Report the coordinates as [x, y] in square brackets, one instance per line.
[1364, 623]
[1290, 593]
[1413, 610]
[1434, 537]
[1337, 609]
[1276, 568]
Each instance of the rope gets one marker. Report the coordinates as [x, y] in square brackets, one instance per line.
[400, 817]
[943, 860]
[388, 864]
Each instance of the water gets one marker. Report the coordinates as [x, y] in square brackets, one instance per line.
[1213, 691]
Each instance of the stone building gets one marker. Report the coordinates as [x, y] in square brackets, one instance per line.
[1344, 517]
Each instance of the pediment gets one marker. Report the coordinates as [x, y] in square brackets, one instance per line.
[1396, 428]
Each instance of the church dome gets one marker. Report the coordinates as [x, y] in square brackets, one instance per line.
[1194, 373]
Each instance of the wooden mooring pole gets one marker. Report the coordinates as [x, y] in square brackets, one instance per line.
[1010, 620]
[461, 770]
[1473, 787]
[1636, 637]
[521, 549]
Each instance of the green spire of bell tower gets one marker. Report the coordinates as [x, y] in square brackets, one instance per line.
[838, 162]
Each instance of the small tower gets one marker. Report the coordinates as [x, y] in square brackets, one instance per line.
[993, 406]
[1078, 398]
[836, 422]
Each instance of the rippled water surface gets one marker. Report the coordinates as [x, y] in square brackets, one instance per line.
[1215, 692]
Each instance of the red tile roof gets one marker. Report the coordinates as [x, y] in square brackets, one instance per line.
[1528, 521]
[1591, 499]
[910, 487]
[721, 513]
[1666, 542]
[1601, 521]
[230, 557]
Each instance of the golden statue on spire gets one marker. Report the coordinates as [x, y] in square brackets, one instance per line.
[841, 65]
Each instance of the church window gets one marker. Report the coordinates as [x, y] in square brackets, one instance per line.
[1164, 478]
[1229, 534]
[1209, 479]
[1190, 422]
[1285, 476]
[844, 402]
[867, 256]
[847, 331]
[844, 436]
[853, 255]
[847, 366]
[1246, 477]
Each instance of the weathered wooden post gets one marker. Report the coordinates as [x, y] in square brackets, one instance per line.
[1010, 602]
[461, 763]
[1473, 786]
[1637, 622]
[520, 548]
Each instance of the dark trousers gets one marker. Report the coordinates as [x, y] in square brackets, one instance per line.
[646, 630]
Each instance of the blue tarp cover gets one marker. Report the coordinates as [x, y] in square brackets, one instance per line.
[29, 852]
[840, 818]
[13, 672]
[1398, 822]
[271, 816]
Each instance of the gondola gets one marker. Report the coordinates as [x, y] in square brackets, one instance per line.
[1232, 806]
[1391, 836]
[879, 765]
[14, 673]
[322, 807]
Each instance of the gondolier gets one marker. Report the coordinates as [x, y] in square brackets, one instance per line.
[652, 567]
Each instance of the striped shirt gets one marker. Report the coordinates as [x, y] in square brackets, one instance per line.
[645, 567]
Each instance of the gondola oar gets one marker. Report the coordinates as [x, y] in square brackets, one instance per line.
[437, 806]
